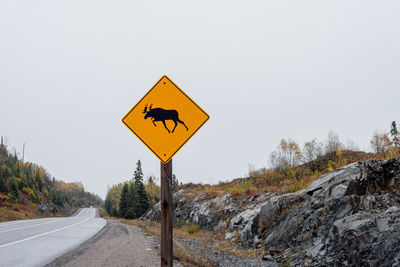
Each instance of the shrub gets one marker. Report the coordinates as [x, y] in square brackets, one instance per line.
[180, 223]
[193, 229]
[29, 192]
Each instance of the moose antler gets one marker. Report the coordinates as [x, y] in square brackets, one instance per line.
[145, 109]
[151, 105]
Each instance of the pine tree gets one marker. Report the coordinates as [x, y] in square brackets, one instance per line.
[141, 198]
[131, 214]
[124, 201]
[14, 192]
[3, 186]
[395, 134]
[138, 173]
[114, 212]
[38, 181]
[175, 183]
[108, 205]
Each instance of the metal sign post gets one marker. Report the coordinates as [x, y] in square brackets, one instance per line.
[166, 215]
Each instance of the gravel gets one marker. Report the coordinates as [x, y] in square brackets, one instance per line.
[219, 258]
[116, 244]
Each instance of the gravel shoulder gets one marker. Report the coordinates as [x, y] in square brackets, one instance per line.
[208, 256]
[117, 244]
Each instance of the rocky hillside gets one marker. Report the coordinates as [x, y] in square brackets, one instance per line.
[350, 216]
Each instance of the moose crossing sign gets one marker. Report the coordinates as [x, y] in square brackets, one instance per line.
[165, 119]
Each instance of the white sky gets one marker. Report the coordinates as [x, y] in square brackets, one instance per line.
[263, 70]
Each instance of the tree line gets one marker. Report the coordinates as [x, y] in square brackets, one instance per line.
[25, 181]
[294, 167]
[133, 198]
[289, 154]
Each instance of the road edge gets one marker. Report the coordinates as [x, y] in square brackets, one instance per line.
[79, 250]
[75, 213]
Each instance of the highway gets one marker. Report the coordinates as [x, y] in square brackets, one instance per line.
[37, 242]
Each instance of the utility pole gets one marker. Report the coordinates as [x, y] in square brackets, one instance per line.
[23, 153]
[166, 215]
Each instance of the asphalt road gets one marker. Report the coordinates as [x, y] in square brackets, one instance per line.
[37, 242]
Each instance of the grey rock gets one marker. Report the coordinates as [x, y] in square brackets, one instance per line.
[349, 217]
[47, 208]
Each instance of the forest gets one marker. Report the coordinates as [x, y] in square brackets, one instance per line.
[29, 189]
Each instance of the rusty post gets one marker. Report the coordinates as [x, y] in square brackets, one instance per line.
[166, 214]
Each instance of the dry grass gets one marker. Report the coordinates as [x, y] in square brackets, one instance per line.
[12, 212]
[25, 210]
[200, 258]
[153, 228]
[181, 253]
[228, 247]
[283, 181]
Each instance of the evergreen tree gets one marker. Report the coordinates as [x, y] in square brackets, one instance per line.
[3, 186]
[3, 150]
[14, 192]
[38, 181]
[138, 173]
[175, 183]
[124, 201]
[108, 205]
[395, 134]
[140, 196]
[114, 212]
[142, 200]
[131, 214]
[4, 174]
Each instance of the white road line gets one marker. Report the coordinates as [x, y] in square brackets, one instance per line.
[28, 226]
[53, 231]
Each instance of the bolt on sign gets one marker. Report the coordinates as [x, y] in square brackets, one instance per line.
[165, 119]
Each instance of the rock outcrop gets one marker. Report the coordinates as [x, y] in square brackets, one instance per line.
[349, 217]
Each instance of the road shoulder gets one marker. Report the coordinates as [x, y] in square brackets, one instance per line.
[117, 244]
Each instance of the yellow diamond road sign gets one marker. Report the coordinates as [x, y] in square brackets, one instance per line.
[165, 119]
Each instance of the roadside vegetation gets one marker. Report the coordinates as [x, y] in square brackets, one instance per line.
[27, 190]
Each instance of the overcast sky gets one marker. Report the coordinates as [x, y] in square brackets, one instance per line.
[262, 70]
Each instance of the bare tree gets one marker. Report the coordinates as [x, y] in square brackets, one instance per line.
[333, 143]
[311, 150]
[252, 170]
[274, 161]
[350, 145]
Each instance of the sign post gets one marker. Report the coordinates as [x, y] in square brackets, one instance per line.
[166, 215]
[164, 120]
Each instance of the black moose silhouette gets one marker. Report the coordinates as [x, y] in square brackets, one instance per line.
[160, 114]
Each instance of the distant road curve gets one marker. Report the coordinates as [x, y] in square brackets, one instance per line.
[37, 242]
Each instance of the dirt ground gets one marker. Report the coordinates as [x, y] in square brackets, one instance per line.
[116, 244]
